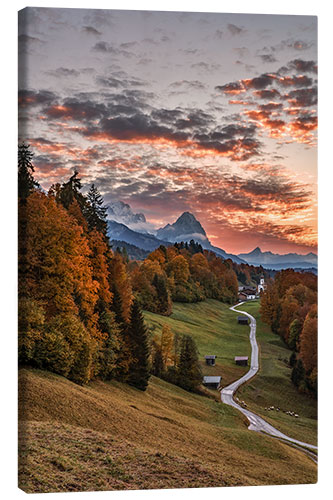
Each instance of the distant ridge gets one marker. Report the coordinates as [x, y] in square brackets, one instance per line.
[276, 261]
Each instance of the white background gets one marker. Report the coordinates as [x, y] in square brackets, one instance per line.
[8, 280]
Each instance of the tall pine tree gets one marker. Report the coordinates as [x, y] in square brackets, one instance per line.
[189, 372]
[96, 211]
[138, 341]
[26, 181]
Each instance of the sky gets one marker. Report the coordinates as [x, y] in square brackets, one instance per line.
[169, 112]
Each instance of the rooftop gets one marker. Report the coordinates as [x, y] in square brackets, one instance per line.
[212, 380]
[241, 358]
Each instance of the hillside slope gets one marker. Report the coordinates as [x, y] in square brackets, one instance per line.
[109, 436]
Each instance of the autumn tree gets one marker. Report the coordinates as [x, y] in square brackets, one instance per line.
[308, 341]
[119, 279]
[269, 307]
[295, 329]
[167, 345]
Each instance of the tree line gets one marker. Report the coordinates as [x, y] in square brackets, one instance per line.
[79, 314]
[289, 306]
[183, 272]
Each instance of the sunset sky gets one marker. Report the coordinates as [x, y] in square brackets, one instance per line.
[209, 113]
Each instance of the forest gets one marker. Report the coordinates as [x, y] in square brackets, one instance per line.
[289, 307]
[80, 300]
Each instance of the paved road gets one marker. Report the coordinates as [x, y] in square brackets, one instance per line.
[257, 423]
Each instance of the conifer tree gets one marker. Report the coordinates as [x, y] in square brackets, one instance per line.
[26, 181]
[70, 190]
[189, 371]
[96, 212]
[138, 339]
[164, 305]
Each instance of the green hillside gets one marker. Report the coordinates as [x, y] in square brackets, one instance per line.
[109, 436]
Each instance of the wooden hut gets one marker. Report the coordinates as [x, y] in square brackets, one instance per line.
[212, 382]
[210, 360]
[241, 360]
[243, 320]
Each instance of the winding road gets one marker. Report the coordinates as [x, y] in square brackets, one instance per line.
[257, 423]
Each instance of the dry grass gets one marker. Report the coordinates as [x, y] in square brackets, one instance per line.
[110, 436]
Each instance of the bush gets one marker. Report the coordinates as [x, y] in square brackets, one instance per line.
[66, 348]
[31, 320]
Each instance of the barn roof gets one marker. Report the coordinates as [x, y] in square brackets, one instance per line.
[211, 356]
[241, 358]
[212, 380]
[242, 317]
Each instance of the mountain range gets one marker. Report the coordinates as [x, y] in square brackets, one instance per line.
[187, 228]
[276, 261]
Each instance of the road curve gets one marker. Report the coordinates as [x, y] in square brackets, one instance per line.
[257, 423]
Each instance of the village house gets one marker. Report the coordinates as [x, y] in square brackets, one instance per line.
[212, 382]
[241, 360]
[210, 360]
[246, 293]
[243, 320]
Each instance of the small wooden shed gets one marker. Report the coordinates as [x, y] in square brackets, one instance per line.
[241, 360]
[243, 320]
[212, 382]
[210, 359]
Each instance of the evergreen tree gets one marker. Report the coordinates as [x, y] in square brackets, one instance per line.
[164, 305]
[70, 191]
[138, 341]
[109, 350]
[26, 181]
[96, 212]
[189, 371]
[298, 373]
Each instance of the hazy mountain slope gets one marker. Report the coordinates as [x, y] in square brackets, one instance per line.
[278, 261]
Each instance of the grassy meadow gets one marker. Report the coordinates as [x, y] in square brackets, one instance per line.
[215, 330]
[110, 436]
[272, 386]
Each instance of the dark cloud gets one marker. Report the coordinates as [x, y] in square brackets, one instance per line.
[267, 94]
[120, 79]
[36, 98]
[192, 84]
[204, 66]
[167, 115]
[303, 66]
[91, 30]
[236, 30]
[63, 72]
[302, 97]
[75, 109]
[260, 82]
[271, 106]
[295, 81]
[107, 48]
[268, 58]
[231, 88]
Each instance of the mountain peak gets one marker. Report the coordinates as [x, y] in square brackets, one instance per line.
[185, 228]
